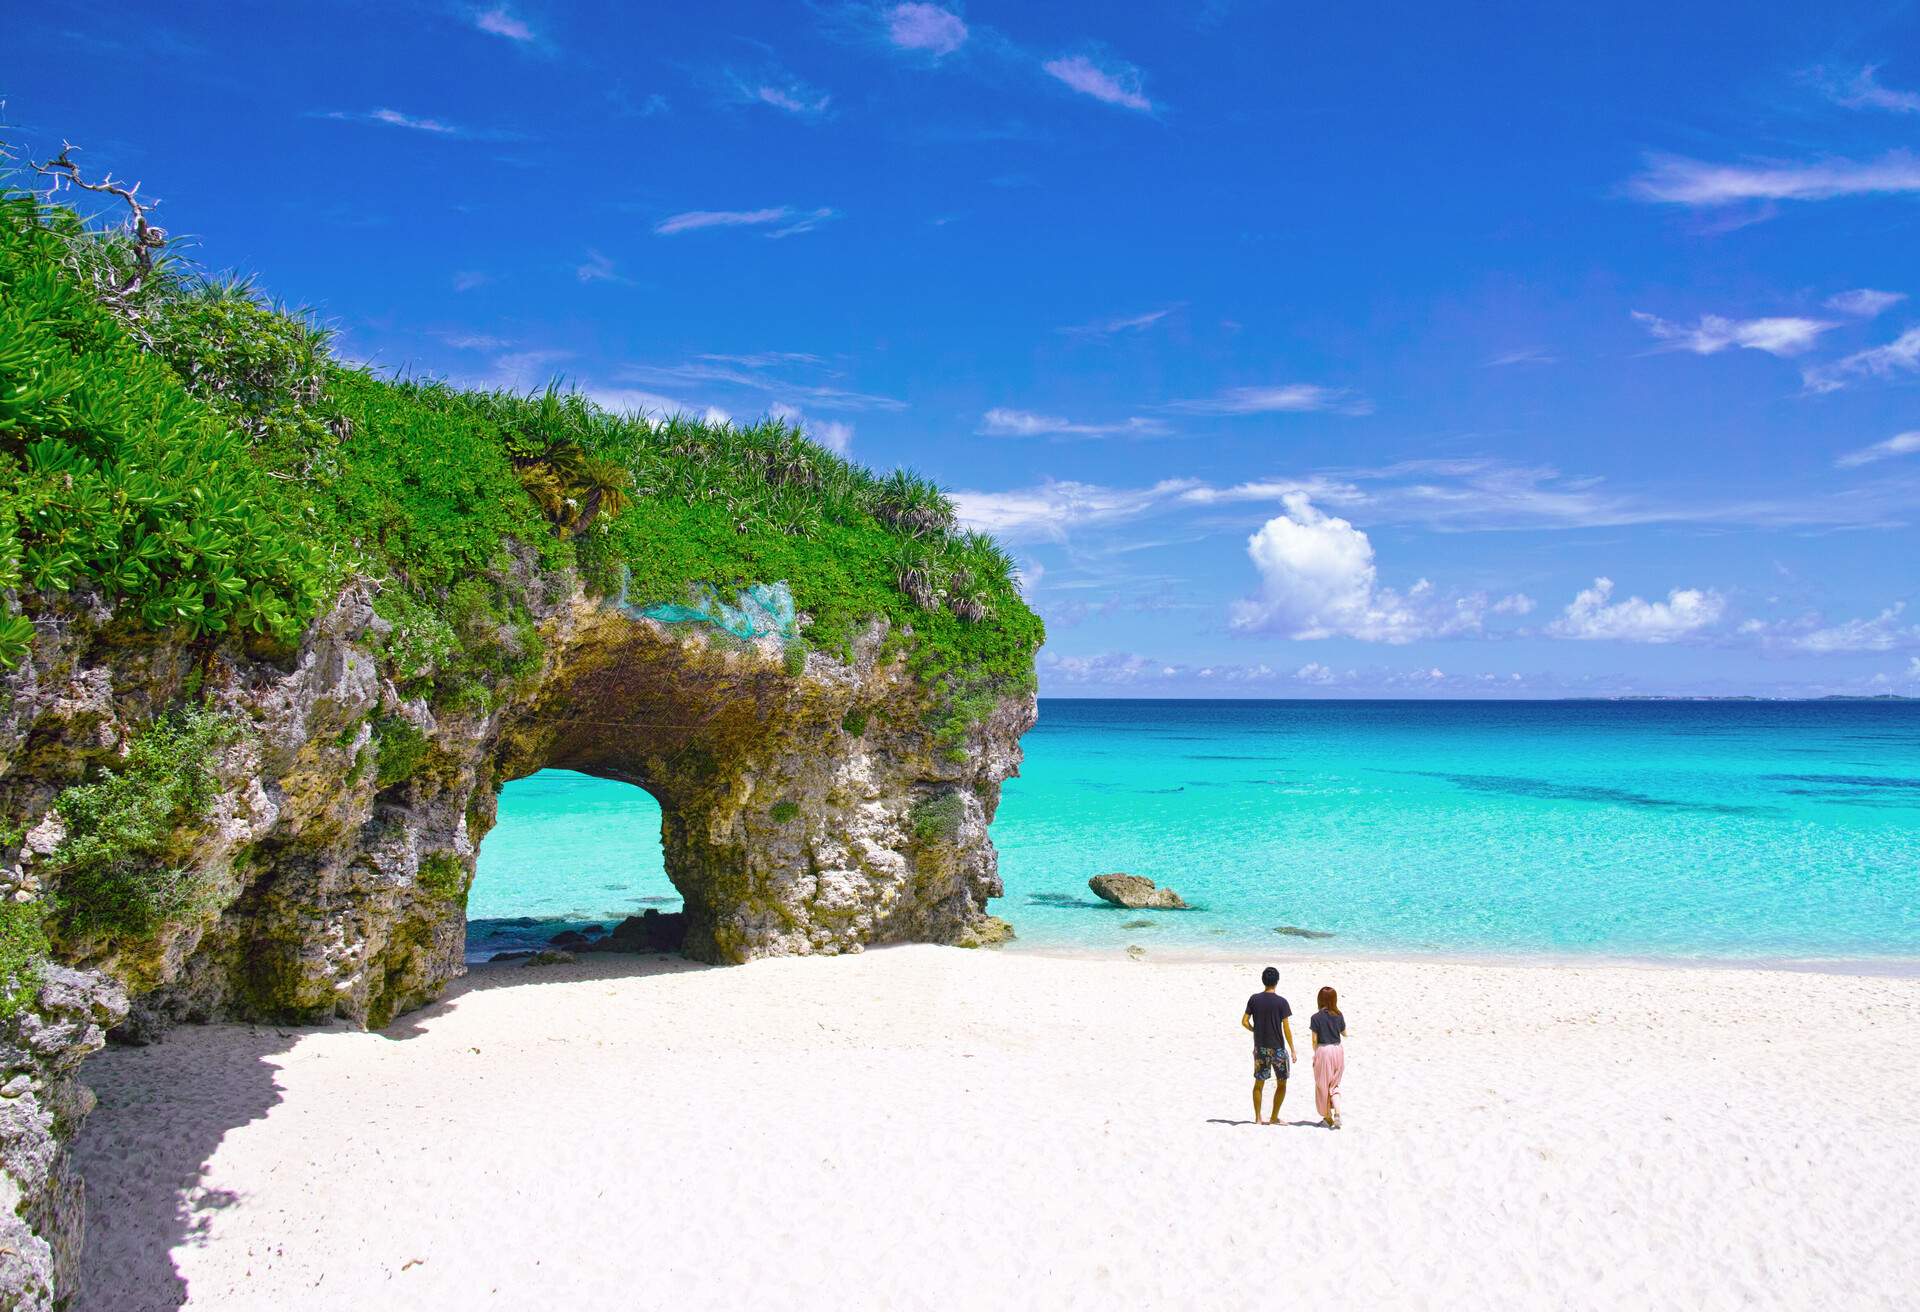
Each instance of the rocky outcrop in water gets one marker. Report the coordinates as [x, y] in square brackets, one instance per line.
[1136, 892]
[811, 805]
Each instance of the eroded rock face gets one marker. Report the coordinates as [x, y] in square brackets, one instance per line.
[812, 808]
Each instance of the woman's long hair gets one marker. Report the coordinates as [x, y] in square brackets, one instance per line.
[1329, 1000]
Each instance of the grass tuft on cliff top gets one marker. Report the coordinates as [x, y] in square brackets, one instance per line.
[194, 452]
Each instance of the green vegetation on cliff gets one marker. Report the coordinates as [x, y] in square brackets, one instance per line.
[194, 453]
[114, 868]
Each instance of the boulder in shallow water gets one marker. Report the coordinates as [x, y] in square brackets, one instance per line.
[1135, 891]
[650, 931]
[1295, 931]
[552, 957]
[569, 938]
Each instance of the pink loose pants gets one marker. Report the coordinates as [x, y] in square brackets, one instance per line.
[1329, 1064]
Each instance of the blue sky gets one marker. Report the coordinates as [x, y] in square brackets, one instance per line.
[1509, 350]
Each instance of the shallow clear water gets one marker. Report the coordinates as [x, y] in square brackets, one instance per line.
[1694, 829]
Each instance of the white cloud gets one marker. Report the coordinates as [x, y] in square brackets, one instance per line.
[794, 98]
[1046, 513]
[831, 434]
[1675, 180]
[473, 341]
[1901, 355]
[1318, 580]
[393, 118]
[500, 22]
[1126, 323]
[521, 371]
[1316, 673]
[1864, 302]
[760, 377]
[1117, 83]
[1883, 632]
[1290, 398]
[597, 268]
[1913, 670]
[469, 279]
[788, 220]
[1525, 355]
[1713, 334]
[1518, 603]
[1900, 444]
[1002, 422]
[1864, 91]
[927, 28]
[632, 401]
[1594, 615]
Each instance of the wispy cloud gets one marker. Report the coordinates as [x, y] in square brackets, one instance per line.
[739, 372]
[1288, 398]
[1677, 180]
[794, 97]
[468, 279]
[1593, 615]
[1864, 302]
[1123, 324]
[500, 21]
[763, 359]
[832, 434]
[597, 268]
[464, 341]
[1112, 81]
[1456, 496]
[1863, 90]
[1900, 444]
[1713, 334]
[1525, 355]
[1900, 356]
[1001, 422]
[1883, 632]
[926, 29]
[635, 401]
[393, 118]
[784, 220]
[1049, 511]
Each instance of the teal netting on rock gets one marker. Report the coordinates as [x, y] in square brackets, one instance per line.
[763, 610]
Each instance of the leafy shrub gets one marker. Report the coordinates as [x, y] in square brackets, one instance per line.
[783, 811]
[937, 819]
[443, 876]
[399, 749]
[23, 947]
[113, 873]
[115, 477]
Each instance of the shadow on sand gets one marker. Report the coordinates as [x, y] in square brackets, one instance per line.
[166, 1108]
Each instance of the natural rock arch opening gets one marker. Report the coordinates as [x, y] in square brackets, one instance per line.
[569, 858]
[807, 804]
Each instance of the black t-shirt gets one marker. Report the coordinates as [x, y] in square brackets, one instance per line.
[1328, 1026]
[1268, 1010]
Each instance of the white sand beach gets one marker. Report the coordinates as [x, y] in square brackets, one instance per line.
[928, 1127]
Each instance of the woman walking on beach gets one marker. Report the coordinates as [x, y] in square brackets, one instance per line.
[1329, 1057]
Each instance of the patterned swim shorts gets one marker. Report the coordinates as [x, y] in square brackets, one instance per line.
[1270, 1062]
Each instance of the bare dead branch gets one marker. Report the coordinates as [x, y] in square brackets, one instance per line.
[147, 240]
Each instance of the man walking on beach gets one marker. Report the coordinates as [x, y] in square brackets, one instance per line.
[1266, 1015]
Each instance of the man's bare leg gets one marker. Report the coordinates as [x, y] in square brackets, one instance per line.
[1257, 1086]
[1279, 1096]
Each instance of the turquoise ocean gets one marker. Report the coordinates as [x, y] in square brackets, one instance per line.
[1695, 830]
